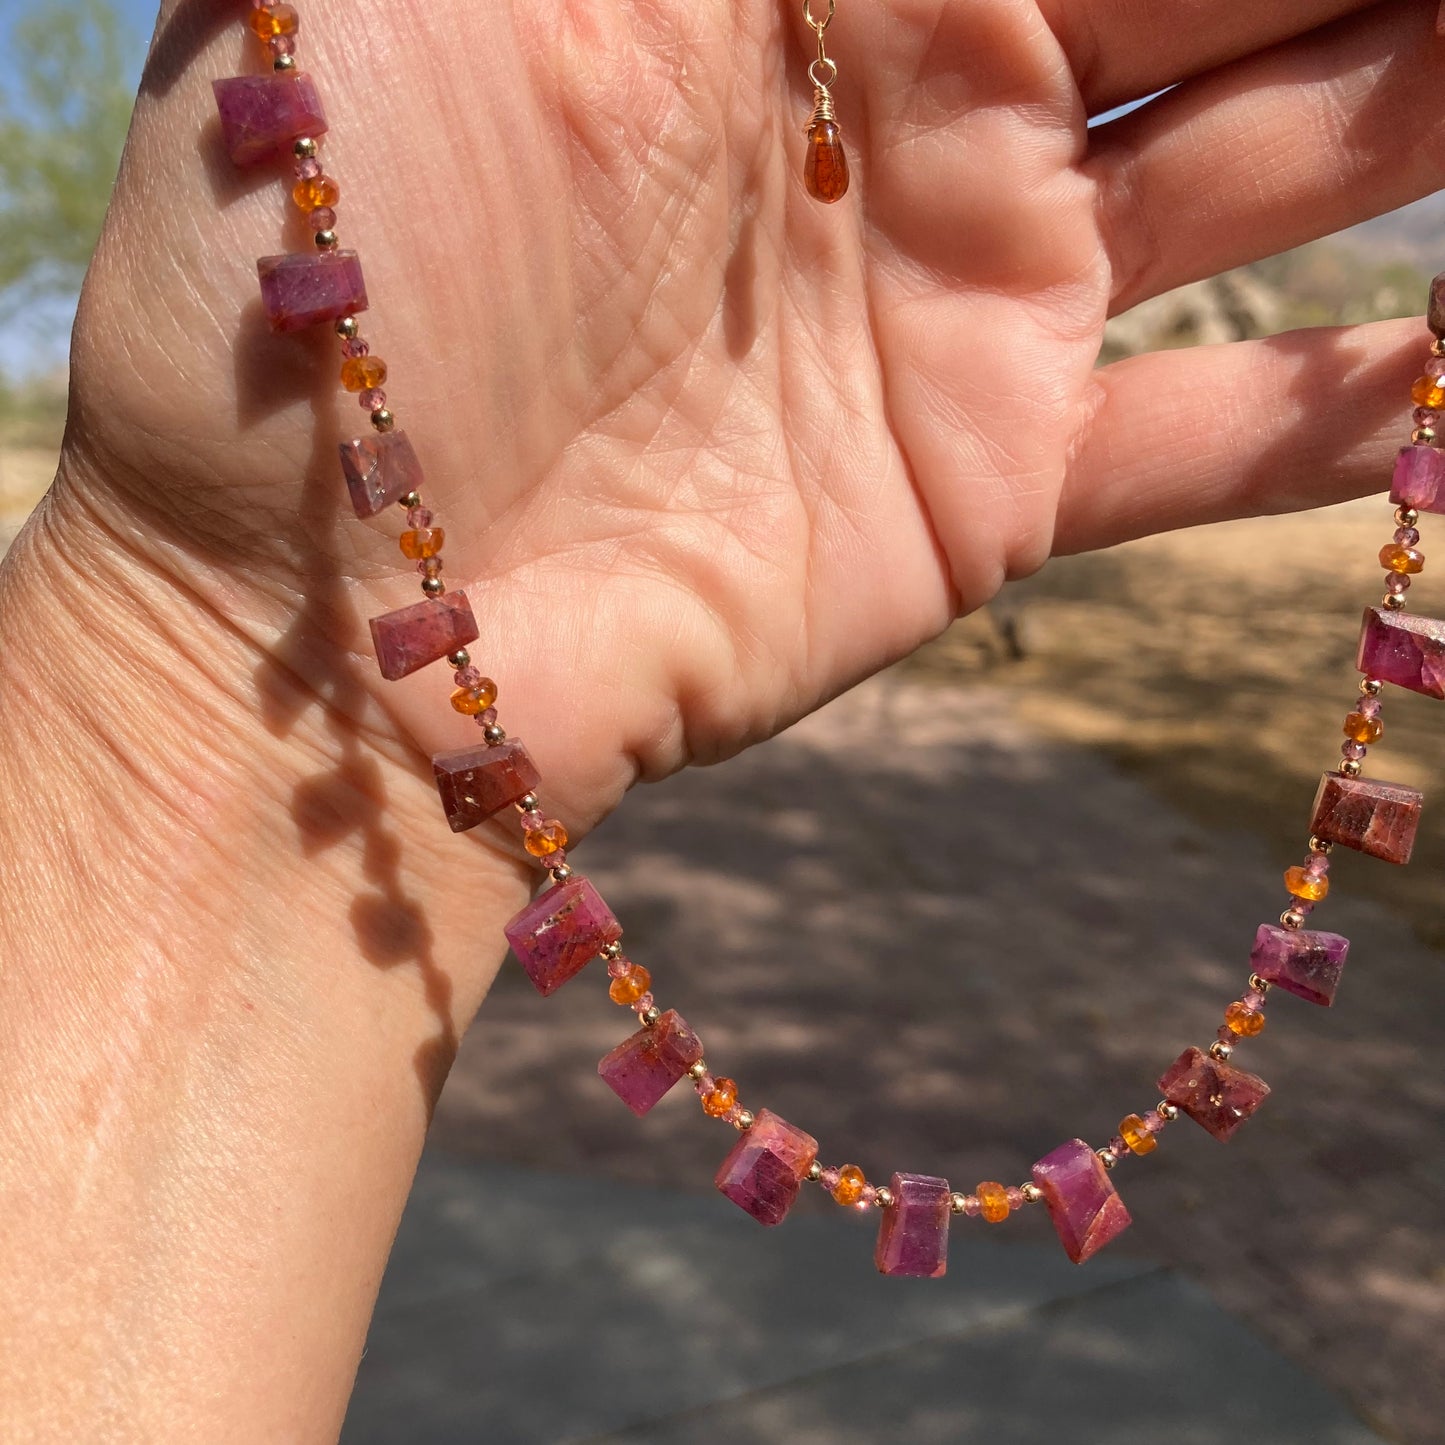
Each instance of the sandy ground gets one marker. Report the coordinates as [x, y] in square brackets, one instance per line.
[977, 906]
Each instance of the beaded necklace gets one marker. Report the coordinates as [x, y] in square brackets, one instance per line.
[272, 116]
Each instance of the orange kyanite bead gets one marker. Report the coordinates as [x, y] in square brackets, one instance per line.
[1246, 1022]
[362, 373]
[631, 986]
[423, 542]
[1362, 729]
[825, 170]
[1428, 392]
[272, 20]
[850, 1185]
[1139, 1139]
[1302, 885]
[472, 700]
[992, 1202]
[1396, 558]
[319, 191]
[550, 838]
[721, 1098]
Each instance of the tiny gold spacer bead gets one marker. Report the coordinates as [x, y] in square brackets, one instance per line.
[1318, 845]
[305, 149]
[412, 499]
[1167, 1111]
[1406, 516]
[1437, 347]
[325, 240]
[1220, 1050]
[460, 658]
[433, 586]
[883, 1197]
[1032, 1193]
[1391, 603]
[745, 1121]
[697, 1070]
[1423, 436]
[650, 1016]
[561, 873]
[815, 1172]
[1350, 768]
[609, 951]
[1371, 687]
[958, 1203]
[348, 329]
[529, 803]
[494, 733]
[382, 419]
[1106, 1158]
[1260, 985]
[1290, 919]
[284, 62]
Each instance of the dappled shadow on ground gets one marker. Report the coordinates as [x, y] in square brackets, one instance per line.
[942, 944]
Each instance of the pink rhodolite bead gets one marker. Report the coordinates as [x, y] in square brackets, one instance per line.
[1435, 316]
[913, 1234]
[766, 1168]
[414, 636]
[1419, 479]
[477, 783]
[641, 1069]
[559, 933]
[1380, 819]
[303, 289]
[1081, 1199]
[1408, 651]
[263, 116]
[1305, 964]
[380, 469]
[1218, 1097]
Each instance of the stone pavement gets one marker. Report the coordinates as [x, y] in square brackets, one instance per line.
[940, 943]
[532, 1309]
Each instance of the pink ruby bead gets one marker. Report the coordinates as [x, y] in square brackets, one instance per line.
[1317, 865]
[646, 1001]
[555, 860]
[356, 346]
[913, 1233]
[1154, 1122]
[477, 783]
[619, 967]
[282, 44]
[1253, 1000]
[308, 169]
[372, 399]
[869, 1197]
[1369, 707]
[1397, 584]
[1082, 1201]
[533, 822]
[430, 566]
[414, 637]
[829, 1179]
[418, 517]
[705, 1084]
[1353, 751]
[304, 289]
[380, 469]
[488, 718]
[467, 677]
[1117, 1147]
[645, 1067]
[1407, 536]
[1217, 1096]
[1302, 905]
[766, 1168]
[323, 218]
[1015, 1198]
[972, 1206]
[1426, 416]
[1435, 367]
[560, 932]
[1419, 478]
[263, 116]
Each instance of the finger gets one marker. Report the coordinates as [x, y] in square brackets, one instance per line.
[1263, 155]
[1120, 50]
[1176, 438]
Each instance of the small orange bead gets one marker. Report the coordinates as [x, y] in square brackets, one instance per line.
[1428, 392]
[551, 838]
[361, 373]
[1298, 882]
[1395, 558]
[993, 1202]
[1362, 729]
[272, 20]
[720, 1100]
[473, 700]
[631, 986]
[423, 542]
[319, 191]
[850, 1185]
[1139, 1139]
[1245, 1022]
[825, 170]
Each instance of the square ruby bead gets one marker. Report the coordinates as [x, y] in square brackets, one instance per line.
[414, 636]
[560, 932]
[1377, 818]
[766, 1168]
[913, 1234]
[379, 469]
[1081, 1199]
[1435, 316]
[1300, 962]
[1419, 479]
[303, 289]
[1218, 1097]
[1408, 651]
[641, 1069]
[263, 116]
[477, 783]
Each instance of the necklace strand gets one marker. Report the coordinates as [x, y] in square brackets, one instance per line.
[269, 117]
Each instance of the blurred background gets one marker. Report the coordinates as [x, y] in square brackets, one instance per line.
[971, 908]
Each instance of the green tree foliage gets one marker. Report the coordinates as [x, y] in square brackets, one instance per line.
[61, 130]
